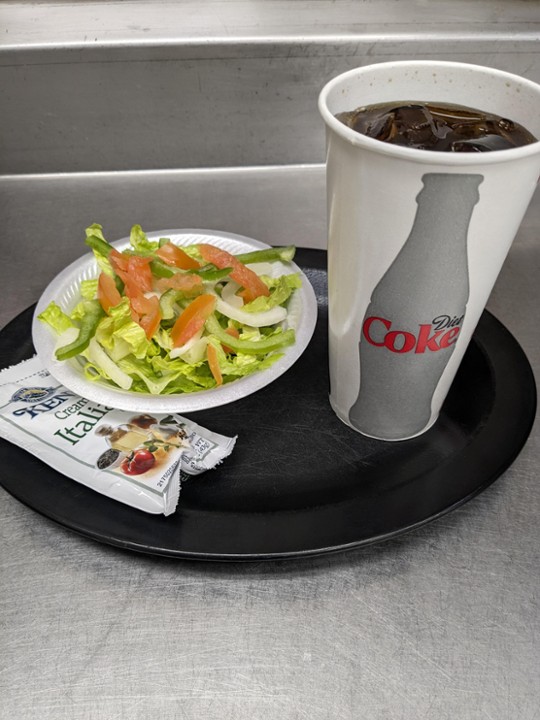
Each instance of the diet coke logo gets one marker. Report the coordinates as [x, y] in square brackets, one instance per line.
[441, 333]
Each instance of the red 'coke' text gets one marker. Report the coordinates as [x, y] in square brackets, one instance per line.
[378, 332]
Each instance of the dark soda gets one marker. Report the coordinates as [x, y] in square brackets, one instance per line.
[436, 126]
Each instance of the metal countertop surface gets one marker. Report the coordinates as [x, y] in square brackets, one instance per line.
[64, 23]
[442, 623]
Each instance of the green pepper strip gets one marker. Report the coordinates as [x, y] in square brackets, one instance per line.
[250, 347]
[89, 323]
[161, 269]
[285, 254]
[99, 245]
[119, 284]
[166, 302]
[209, 272]
[104, 248]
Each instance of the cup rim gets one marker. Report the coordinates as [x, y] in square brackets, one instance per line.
[429, 157]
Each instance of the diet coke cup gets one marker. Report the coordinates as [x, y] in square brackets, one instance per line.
[416, 239]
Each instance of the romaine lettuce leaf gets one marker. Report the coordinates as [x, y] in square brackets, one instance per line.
[120, 335]
[241, 364]
[102, 260]
[81, 309]
[162, 376]
[55, 318]
[140, 243]
[281, 289]
[89, 289]
[97, 230]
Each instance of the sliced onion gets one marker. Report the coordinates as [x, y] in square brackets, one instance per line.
[179, 351]
[229, 295]
[99, 357]
[66, 338]
[260, 319]
[261, 268]
[196, 352]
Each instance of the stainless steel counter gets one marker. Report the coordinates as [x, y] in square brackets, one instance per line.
[97, 85]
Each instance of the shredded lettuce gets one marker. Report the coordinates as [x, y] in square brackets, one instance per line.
[101, 259]
[234, 366]
[165, 376]
[81, 309]
[106, 366]
[281, 288]
[120, 335]
[55, 318]
[140, 243]
[97, 230]
[89, 289]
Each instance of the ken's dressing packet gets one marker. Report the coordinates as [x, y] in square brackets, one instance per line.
[139, 459]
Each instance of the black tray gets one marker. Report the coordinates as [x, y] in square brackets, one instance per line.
[299, 481]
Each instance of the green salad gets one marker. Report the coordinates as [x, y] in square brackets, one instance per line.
[164, 319]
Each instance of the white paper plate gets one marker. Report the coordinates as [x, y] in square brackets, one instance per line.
[64, 290]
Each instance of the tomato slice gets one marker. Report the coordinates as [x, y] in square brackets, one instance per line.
[134, 271]
[173, 255]
[107, 292]
[185, 282]
[213, 363]
[146, 312]
[143, 305]
[192, 319]
[253, 286]
[118, 261]
[151, 318]
[139, 273]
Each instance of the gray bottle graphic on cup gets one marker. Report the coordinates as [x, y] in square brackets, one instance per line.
[416, 312]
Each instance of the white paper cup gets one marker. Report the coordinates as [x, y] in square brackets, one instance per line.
[416, 240]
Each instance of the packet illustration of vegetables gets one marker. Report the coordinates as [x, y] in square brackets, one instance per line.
[138, 459]
[164, 319]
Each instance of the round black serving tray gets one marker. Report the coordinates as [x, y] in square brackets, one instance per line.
[299, 481]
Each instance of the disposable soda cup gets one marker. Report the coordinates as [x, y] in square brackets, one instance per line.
[416, 240]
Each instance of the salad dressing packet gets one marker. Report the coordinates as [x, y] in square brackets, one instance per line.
[135, 458]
